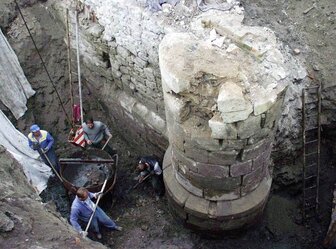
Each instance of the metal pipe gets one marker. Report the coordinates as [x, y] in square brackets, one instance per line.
[70, 161]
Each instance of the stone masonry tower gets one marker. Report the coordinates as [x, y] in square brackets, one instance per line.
[223, 86]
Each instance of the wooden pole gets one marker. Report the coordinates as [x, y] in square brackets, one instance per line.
[95, 207]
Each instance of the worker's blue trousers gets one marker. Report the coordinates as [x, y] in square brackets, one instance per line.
[101, 218]
[52, 157]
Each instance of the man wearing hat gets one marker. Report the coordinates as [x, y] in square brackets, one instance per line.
[42, 141]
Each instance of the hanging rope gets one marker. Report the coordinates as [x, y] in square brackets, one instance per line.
[69, 67]
[45, 68]
[79, 72]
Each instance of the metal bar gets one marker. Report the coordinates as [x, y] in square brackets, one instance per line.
[79, 72]
[81, 163]
[70, 160]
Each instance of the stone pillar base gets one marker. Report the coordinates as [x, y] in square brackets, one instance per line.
[214, 216]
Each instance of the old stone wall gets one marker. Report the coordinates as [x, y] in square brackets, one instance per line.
[224, 86]
[119, 43]
[119, 59]
[119, 54]
[212, 127]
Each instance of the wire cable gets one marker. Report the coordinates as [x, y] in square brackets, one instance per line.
[45, 68]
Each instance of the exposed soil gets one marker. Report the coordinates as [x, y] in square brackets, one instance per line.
[148, 223]
[306, 25]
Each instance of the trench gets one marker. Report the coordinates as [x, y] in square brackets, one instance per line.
[149, 224]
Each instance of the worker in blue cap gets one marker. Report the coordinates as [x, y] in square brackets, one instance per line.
[42, 141]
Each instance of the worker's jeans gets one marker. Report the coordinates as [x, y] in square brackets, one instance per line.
[157, 183]
[52, 157]
[100, 218]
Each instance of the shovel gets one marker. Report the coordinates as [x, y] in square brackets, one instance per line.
[108, 140]
[95, 207]
[70, 186]
[136, 185]
[51, 165]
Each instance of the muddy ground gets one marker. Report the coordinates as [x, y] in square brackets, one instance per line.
[148, 223]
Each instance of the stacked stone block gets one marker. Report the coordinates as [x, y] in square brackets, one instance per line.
[221, 104]
[217, 169]
[119, 62]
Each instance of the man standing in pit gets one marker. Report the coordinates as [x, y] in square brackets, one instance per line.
[95, 134]
[43, 142]
[81, 210]
[150, 167]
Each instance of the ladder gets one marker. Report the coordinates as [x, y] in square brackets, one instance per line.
[311, 138]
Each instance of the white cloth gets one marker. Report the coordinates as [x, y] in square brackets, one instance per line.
[14, 87]
[17, 144]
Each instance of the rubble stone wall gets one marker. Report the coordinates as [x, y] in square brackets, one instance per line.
[222, 106]
[119, 60]
[119, 43]
[223, 88]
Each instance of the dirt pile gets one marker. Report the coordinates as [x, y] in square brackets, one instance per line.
[25, 222]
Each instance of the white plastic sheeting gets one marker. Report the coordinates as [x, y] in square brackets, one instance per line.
[17, 144]
[14, 92]
[14, 87]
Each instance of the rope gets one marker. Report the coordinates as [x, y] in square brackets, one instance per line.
[79, 73]
[45, 68]
[69, 67]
